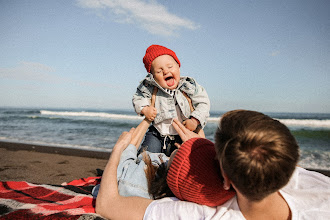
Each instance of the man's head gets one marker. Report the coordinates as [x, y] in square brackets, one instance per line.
[164, 65]
[257, 153]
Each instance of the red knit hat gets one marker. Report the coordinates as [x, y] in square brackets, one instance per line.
[155, 51]
[194, 174]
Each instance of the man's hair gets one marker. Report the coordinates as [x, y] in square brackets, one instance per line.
[258, 153]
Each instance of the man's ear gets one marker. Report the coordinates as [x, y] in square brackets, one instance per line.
[226, 180]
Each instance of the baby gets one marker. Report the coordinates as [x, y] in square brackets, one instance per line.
[172, 100]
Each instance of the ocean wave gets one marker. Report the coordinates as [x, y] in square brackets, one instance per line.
[315, 159]
[49, 144]
[91, 114]
[306, 123]
[20, 111]
[310, 123]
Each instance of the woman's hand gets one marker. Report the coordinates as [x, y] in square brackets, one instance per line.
[124, 140]
[184, 133]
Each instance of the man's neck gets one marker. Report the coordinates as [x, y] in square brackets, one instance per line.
[273, 206]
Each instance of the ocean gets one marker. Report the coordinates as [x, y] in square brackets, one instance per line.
[98, 130]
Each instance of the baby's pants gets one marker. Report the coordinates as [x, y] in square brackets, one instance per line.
[156, 143]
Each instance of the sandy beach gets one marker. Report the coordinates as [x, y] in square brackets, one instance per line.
[51, 165]
[47, 165]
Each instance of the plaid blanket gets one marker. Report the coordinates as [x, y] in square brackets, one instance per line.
[23, 200]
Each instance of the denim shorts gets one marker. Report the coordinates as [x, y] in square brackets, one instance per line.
[154, 142]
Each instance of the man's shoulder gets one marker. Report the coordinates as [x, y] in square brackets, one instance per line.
[190, 210]
[308, 194]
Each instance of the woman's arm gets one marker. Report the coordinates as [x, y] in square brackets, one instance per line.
[109, 203]
[142, 128]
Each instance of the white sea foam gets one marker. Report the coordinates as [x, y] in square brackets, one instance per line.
[306, 123]
[311, 123]
[315, 160]
[213, 119]
[91, 114]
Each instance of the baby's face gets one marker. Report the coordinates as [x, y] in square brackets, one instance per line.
[166, 71]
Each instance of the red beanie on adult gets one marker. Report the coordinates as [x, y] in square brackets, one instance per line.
[194, 174]
[155, 51]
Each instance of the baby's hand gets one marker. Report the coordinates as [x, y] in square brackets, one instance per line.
[184, 133]
[149, 112]
[191, 124]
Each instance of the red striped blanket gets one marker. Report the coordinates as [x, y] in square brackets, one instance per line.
[23, 200]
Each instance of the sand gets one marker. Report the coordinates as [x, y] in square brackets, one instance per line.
[48, 165]
[51, 165]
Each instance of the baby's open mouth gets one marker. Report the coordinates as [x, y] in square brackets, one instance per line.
[169, 81]
[168, 78]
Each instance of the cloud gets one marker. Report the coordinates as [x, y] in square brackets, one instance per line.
[148, 15]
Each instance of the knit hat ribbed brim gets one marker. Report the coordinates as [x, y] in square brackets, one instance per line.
[194, 174]
[155, 51]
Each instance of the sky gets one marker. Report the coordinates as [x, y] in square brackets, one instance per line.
[268, 56]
